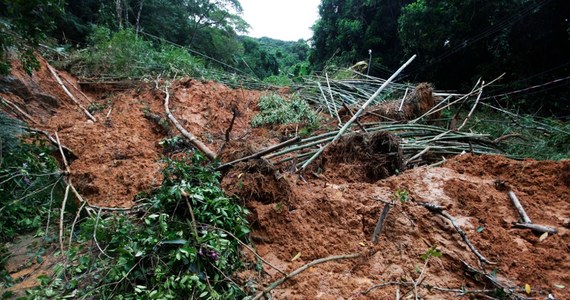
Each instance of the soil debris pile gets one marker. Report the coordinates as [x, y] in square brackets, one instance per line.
[364, 157]
[257, 180]
[325, 218]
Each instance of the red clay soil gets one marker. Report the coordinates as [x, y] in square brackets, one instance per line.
[119, 154]
[319, 215]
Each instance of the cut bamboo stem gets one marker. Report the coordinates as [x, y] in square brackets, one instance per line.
[261, 153]
[325, 97]
[473, 108]
[519, 207]
[536, 227]
[332, 100]
[403, 99]
[17, 108]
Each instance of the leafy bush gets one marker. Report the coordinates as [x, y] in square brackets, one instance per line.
[28, 180]
[123, 54]
[161, 253]
[532, 137]
[275, 109]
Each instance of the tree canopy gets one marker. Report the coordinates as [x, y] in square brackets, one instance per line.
[456, 41]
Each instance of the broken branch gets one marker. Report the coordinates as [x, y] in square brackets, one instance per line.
[54, 73]
[519, 207]
[439, 210]
[383, 217]
[301, 269]
[261, 153]
[191, 138]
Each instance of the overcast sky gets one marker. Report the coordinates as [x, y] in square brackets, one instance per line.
[288, 20]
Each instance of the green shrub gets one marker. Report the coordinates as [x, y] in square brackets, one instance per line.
[28, 180]
[535, 138]
[123, 54]
[160, 253]
[275, 109]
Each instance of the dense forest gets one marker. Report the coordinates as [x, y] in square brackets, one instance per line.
[456, 43]
[211, 31]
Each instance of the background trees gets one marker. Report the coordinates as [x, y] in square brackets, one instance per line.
[456, 42]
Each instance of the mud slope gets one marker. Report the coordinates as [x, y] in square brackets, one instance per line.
[318, 215]
[119, 154]
[322, 216]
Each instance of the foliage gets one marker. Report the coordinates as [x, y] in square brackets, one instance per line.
[23, 24]
[161, 253]
[402, 195]
[210, 27]
[275, 109]
[535, 137]
[346, 31]
[431, 252]
[123, 54]
[28, 179]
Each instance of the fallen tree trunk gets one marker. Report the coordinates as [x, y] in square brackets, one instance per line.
[191, 138]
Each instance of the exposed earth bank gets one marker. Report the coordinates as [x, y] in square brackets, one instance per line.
[298, 218]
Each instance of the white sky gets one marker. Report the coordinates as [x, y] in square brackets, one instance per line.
[288, 20]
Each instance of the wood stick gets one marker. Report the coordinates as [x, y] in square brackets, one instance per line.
[439, 210]
[301, 269]
[191, 138]
[359, 112]
[67, 170]
[53, 71]
[325, 97]
[519, 207]
[66, 150]
[380, 222]
[78, 90]
[403, 99]
[261, 153]
[63, 203]
[536, 227]
[477, 275]
[352, 115]
[246, 246]
[332, 99]
[417, 155]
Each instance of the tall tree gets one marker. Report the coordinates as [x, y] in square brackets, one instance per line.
[347, 29]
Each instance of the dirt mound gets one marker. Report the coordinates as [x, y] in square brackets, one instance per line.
[119, 155]
[325, 219]
[364, 157]
[417, 102]
[257, 180]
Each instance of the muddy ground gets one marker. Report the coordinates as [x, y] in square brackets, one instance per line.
[298, 218]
